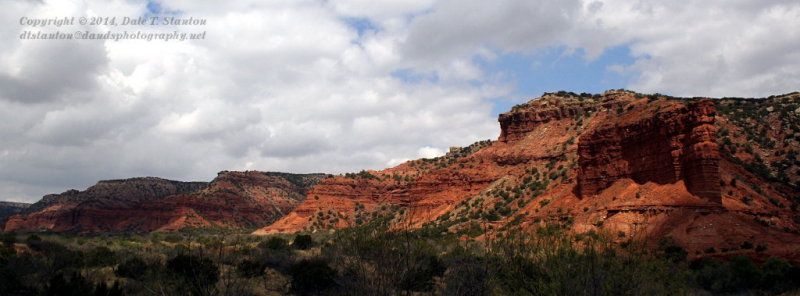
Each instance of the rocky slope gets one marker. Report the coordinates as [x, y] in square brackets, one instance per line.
[621, 163]
[232, 200]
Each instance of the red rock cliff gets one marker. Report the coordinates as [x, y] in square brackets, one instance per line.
[662, 142]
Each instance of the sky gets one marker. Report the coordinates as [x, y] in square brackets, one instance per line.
[339, 86]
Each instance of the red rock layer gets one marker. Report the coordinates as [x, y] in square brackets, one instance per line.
[662, 142]
[426, 189]
[428, 197]
[515, 125]
[649, 163]
[523, 119]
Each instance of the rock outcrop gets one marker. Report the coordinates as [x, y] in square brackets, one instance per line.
[662, 142]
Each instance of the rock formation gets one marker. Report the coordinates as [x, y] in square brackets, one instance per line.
[708, 173]
[660, 142]
[8, 208]
[631, 165]
[232, 200]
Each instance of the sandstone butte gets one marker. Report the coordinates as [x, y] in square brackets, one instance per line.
[237, 200]
[707, 173]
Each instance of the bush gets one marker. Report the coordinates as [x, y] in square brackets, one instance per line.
[100, 256]
[251, 268]
[672, 251]
[199, 273]
[466, 274]
[274, 243]
[133, 268]
[746, 274]
[311, 276]
[779, 275]
[302, 242]
[421, 278]
[103, 290]
[74, 285]
[60, 256]
[9, 238]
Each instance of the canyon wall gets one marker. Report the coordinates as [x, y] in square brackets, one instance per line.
[663, 143]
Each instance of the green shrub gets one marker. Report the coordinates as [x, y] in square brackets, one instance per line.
[76, 285]
[311, 276]
[8, 238]
[100, 256]
[133, 268]
[779, 275]
[421, 277]
[303, 241]
[274, 243]
[199, 274]
[250, 268]
[672, 251]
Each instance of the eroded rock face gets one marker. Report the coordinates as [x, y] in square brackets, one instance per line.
[424, 189]
[636, 166]
[663, 143]
[232, 200]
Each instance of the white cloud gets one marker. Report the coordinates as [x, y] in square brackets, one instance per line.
[460, 27]
[705, 48]
[281, 86]
[291, 86]
[429, 152]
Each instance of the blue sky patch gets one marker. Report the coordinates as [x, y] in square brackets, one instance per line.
[408, 76]
[553, 69]
[361, 25]
[154, 8]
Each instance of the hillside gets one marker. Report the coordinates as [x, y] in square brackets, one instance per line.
[627, 164]
[232, 200]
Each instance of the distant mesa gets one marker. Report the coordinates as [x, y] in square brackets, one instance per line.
[236, 200]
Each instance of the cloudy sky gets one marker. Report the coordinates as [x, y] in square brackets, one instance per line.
[339, 86]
